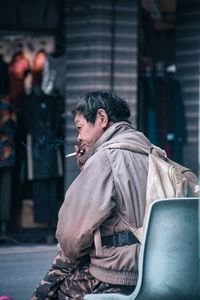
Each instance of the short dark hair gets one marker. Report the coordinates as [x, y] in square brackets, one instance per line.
[116, 108]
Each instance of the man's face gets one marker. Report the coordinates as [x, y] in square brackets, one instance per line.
[89, 133]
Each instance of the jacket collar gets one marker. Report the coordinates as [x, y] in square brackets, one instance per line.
[120, 131]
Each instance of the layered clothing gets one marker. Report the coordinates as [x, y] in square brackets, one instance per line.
[107, 197]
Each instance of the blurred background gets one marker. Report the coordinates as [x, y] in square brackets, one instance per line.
[51, 52]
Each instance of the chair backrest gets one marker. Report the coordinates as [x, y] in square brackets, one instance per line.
[169, 258]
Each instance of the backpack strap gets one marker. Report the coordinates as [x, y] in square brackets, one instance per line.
[125, 146]
[137, 232]
[155, 150]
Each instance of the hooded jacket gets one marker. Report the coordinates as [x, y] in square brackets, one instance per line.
[108, 196]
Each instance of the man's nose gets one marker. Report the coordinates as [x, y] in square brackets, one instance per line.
[79, 138]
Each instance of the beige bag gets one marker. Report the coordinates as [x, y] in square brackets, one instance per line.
[166, 178]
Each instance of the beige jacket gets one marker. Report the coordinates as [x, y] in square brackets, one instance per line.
[108, 196]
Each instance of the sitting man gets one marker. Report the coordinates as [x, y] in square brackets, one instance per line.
[98, 251]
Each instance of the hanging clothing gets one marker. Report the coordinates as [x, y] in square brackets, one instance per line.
[44, 193]
[148, 88]
[5, 193]
[7, 154]
[7, 132]
[53, 79]
[38, 66]
[17, 69]
[163, 113]
[171, 117]
[4, 78]
[41, 116]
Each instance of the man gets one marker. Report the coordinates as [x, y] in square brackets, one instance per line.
[103, 206]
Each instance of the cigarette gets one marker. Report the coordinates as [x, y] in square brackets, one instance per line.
[74, 153]
[70, 154]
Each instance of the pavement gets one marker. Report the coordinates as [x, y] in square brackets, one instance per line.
[22, 267]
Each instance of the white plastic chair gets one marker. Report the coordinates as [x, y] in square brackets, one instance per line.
[169, 260]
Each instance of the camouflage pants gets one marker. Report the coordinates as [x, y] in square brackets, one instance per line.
[70, 281]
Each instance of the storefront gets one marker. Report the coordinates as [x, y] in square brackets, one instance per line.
[145, 51]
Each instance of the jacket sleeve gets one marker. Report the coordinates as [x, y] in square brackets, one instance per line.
[88, 202]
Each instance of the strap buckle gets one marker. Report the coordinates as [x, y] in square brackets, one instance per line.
[121, 239]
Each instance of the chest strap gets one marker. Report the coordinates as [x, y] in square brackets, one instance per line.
[119, 239]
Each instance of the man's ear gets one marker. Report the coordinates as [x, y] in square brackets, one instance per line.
[103, 117]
